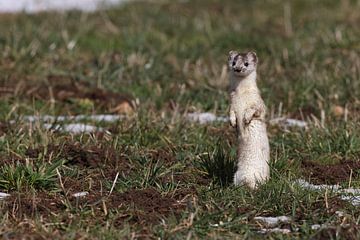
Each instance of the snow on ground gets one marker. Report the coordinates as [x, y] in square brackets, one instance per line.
[80, 194]
[56, 123]
[354, 200]
[275, 230]
[205, 117]
[3, 195]
[273, 221]
[348, 194]
[97, 118]
[288, 122]
[34, 6]
[74, 128]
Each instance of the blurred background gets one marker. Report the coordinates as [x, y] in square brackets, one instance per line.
[175, 51]
[149, 170]
[33, 6]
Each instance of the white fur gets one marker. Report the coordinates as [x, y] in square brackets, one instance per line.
[249, 110]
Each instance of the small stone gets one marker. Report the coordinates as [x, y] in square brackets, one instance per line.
[338, 111]
[123, 108]
[80, 194]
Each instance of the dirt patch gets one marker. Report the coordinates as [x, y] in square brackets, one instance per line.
[4, 128]
[331, 205]
[330, 174]
[186, 177]
[30, 205]
[184, 193]
[322, 207]
[147, 206]
[11, 159]
[164, 156]
[304, 113]
[225, 133]
[338, 232]
[67, 90]
[143, 207]
[25, 233]
[87, 157]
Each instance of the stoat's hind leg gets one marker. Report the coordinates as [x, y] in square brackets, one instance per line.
[241, 180]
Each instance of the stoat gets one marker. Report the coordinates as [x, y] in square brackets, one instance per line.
[247, 114]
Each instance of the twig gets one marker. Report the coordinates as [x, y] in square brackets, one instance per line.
[114, 182]
[350, 179]
[63, 188]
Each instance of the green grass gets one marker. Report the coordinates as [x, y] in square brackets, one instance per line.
[169, 57]
[219, 164]
[17, 177]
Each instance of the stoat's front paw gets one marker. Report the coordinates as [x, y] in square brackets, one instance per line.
[250, 114]
[232, 119]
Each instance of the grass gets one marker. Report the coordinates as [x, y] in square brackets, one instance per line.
[219, 164]
[171, 178]
[18, 177]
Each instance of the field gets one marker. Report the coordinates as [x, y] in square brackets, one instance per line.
[153, 173]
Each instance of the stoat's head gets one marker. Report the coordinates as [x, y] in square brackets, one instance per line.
[242, 64]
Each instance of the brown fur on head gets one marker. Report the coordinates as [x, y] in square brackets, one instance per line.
[242, 64]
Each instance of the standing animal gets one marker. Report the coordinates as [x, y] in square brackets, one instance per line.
[247, 114]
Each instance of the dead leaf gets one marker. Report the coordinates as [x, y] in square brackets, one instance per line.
[123, 108]
[338, 111]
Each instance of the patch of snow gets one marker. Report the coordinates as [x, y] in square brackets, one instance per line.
[354, 198]
[80, 194]
[221, 223]
[354, 191]
[71, 45]
[4, 195]
[34, 6]
[95, 118]
[304, 184]
[317, 226]
[275, 230]
[273, 221]
[75, 128]
[51, 122]
[340, 213]
[214, 225]
[100, 118]
[205, 117]
[288, 122]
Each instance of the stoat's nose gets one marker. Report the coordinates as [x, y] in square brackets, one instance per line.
[237, 69]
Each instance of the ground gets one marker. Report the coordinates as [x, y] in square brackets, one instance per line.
[154, 174]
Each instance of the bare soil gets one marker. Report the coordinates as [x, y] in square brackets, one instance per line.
[65, 89]
[4, 128]
[140, 206]
[29, 204]
[351, 232]
[304, 113]
[143, 207]
[148, 206]
[330, 174]
[86, 157]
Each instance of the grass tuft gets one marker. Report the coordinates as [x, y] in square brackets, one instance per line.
[19, 177]
[219, 164]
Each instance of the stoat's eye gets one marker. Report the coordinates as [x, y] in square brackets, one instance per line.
[233, 64]
[246, 64]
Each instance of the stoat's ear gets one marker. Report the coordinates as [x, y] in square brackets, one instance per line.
[232, 54]
[252, 57]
